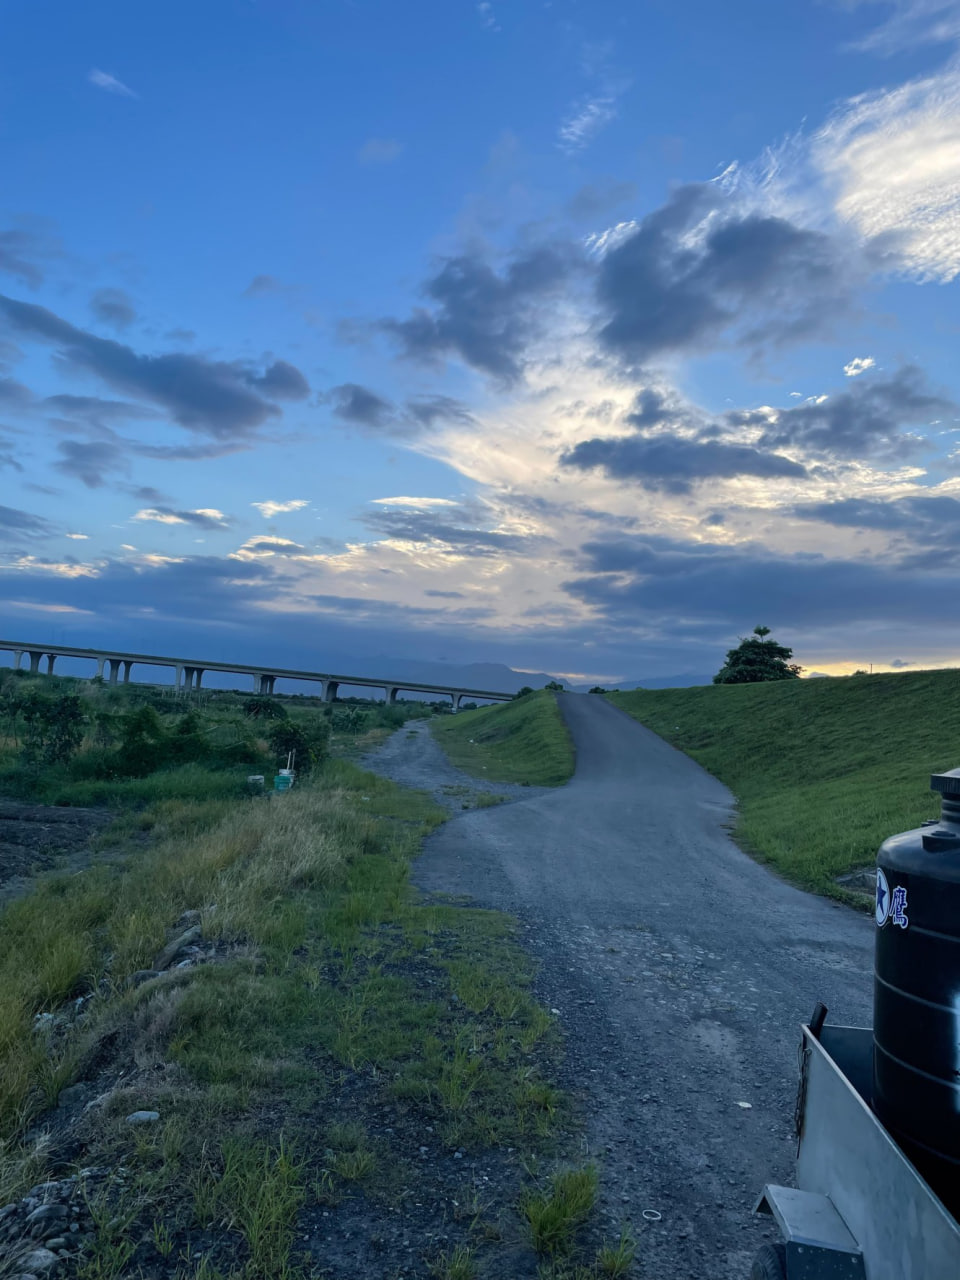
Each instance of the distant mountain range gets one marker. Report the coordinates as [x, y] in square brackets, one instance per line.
[496, 676]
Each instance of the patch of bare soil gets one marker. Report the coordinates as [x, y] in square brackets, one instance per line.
[38, 837]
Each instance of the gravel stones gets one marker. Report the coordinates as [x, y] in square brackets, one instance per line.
[170, 952]
[143, 1117]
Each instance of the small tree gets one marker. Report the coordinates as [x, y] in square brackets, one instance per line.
[522, 693]
[756, 659]
[554, 686]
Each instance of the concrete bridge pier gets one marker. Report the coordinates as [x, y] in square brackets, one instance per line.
[17, 655]
[35, 657]
[99, 675]
[192, 676]
[113, 670]
[391, 695]
[127, 667]
[51, 659]
[328, 690]
[262, 684]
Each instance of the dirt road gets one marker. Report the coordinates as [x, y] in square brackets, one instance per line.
[680, 968]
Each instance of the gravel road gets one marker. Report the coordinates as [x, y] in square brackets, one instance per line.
[680, 970]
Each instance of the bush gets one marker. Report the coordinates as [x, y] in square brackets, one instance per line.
[522, 693]
[264, 709]
[311, 743]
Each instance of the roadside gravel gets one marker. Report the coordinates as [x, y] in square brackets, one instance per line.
[680, 970]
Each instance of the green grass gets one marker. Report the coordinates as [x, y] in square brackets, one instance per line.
[823, 770]
[328, 971]
[556, 1214]
[523, 741]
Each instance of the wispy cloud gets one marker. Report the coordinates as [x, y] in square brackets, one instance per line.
[892, 160]
[380, 151]
[103, 80]
[202, 517]
[585, 121]
[415, 502]
[269, 509]
[859, 365]
[487, 17]
[913, 22]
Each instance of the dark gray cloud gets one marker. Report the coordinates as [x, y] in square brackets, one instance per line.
[187, 452]
[97, 412]
[923, 528]
[14, 395]
[445, 595]
[674, 464]
[21, 252]
[461, 527]
[8, 455]
[868, 420]
[113, 307]
[213, 397]
[281, 381]
[596, 198]
[361, 407]
[91, 461]
[278, 546]
[484, 318]
[702, 268]
[427, 411]
[653, 580]
[15, 523]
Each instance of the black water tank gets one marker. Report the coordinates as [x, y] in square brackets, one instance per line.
[916, 1020]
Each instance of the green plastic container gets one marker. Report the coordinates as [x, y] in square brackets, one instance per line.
[282, 782]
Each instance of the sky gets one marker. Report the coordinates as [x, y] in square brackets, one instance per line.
[583, 337]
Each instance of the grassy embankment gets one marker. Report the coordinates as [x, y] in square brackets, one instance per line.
[523, 741]
[335, 1031]
[824, 770]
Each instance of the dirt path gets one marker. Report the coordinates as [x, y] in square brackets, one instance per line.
[680, 969]
[411, 757]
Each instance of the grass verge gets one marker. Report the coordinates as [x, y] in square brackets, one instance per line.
[335, 1050]
[524, 741]
[823, 770]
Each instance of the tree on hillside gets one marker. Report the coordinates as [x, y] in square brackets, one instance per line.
[756, 659]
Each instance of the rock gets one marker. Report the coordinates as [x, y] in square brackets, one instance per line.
[141, 976]
[173, 949]
[188, 920]
[58, 1242]
[46, 1214]
[143, 1117]
[75, 1093]
[40, 1260]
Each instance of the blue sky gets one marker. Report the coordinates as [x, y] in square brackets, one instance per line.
[582, 337]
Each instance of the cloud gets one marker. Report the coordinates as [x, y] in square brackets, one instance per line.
[648, 578]
[487, 17]
[380, 151]
[594, 199]
[202, 518]
[867, 420]
[362, 407]
[14, 523]
[268, 509]
[422, 503]
[672, 464]
[103, 80]
[90, 461]
[113, 307]
[484, 317]
[913, 22]
[892, 160]
[14, 395]
[586, 119]
[263, 284]
[78, 537]
[705, 267]
[261, 547]
[20, 248]
[213, 397]
[459, 528]
[860, 364]
[427, 411]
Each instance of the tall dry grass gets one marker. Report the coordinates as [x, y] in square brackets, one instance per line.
[84, 935]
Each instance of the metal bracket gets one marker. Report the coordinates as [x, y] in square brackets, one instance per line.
[819, 1245]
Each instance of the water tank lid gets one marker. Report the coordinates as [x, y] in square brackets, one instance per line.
[948, 784]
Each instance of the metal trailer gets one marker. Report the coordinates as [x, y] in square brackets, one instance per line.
[860, 1210]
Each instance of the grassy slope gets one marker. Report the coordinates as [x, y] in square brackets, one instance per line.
[524, 741]
[824, 770]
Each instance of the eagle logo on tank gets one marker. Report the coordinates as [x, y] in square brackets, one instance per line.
[890, 906]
